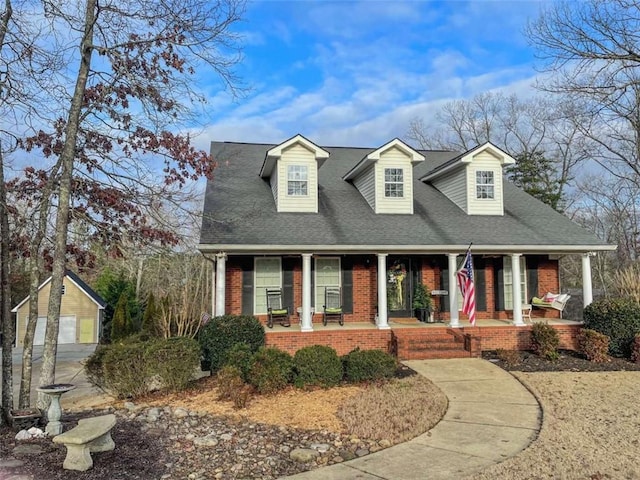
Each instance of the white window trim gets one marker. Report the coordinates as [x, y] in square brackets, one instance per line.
[320, 305]
[523, 283]
[492, 185]
[255, 282]
[385, 183]
[306, 180]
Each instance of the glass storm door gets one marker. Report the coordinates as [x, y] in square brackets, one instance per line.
[399, 287]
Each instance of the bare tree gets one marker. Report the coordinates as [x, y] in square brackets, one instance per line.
[134, 66]
[593, 49]
[541, 133]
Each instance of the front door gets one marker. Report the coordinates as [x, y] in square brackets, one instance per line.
[399, 287]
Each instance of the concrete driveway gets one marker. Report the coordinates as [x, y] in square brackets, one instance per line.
[69, 369]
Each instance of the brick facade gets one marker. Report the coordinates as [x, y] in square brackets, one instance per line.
[421, 343]
[365, 289]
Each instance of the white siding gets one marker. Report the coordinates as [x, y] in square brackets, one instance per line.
[366, 185]
[454, 187]
[274, 184]
[394, 158]
[486, 162]
[297, 155]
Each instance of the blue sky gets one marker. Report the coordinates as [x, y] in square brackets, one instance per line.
[356, 73]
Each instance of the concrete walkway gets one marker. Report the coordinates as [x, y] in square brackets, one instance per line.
[490, 418]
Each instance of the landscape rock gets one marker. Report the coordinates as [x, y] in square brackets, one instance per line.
[303, 455]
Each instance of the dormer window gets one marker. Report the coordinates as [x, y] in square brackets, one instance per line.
[297, 180]
[393, 183]
[485, 185]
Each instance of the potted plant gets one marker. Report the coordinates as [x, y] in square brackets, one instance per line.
[422, 303]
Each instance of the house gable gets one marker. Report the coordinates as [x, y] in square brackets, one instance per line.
[474, 180]
[385, 177]
[292, 170]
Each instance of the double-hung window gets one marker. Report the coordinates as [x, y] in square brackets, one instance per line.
[485, 184]
[327, 275]
[393, 183]
[268, 274]
[508, 282]
[297, 180]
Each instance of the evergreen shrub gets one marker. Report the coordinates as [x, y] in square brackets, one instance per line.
[222, 333]
[594, 345]
[175, 360]
[271, 370]
[635, 349]
[368, 365]
[317, 365]
[545, 341]
[618, 319]
[125, 369]
[241, 357]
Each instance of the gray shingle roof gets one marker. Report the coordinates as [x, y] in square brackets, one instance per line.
[239, 210]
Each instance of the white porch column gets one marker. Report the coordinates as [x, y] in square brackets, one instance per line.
[220, 283]
[306, 319]
[454, 315]
[213, 290]
[587, 290]
[517, 289]
[383, 321]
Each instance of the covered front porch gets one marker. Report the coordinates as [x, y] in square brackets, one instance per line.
[415, 340]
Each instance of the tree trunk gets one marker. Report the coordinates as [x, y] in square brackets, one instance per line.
[6, 321]
[47, 375]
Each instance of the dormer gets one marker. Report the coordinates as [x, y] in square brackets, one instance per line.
[473, 180]
[292, 170]
[385, 177]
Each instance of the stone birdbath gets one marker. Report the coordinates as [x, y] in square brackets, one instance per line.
[55, 391]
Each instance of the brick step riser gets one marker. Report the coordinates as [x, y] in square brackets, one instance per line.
[432, 355]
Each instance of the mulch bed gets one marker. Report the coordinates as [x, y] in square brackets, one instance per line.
[154, 457]
[568, 361]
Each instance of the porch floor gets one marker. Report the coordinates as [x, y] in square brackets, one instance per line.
[399, 323]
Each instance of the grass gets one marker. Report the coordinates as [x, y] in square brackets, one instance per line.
[395, 411]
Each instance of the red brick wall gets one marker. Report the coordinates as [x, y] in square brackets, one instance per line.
[519, 338]
[343, 341]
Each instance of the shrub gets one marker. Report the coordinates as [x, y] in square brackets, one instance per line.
[125, 369]
[635, 349]
[175, 360]
[618, 319]
[271, 370]
[367, 365]
[229, 380]
[545, 340]
[94, 369]
[594, 345]
[222, 333]
[509, 357]
[241, 357]
[317, 365]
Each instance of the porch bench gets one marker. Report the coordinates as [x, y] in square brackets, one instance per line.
[91, 435]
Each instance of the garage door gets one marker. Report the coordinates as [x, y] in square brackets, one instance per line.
[67, 333]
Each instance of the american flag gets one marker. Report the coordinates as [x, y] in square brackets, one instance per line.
[465, 282]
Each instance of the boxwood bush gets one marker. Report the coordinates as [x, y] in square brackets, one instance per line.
[618, 319]
[545, 340]
[368, 365]
[175, 360]
[240, 356]
[127, 369]
[317, 365]
[222, 333]
[594, 345]
[271, 370]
